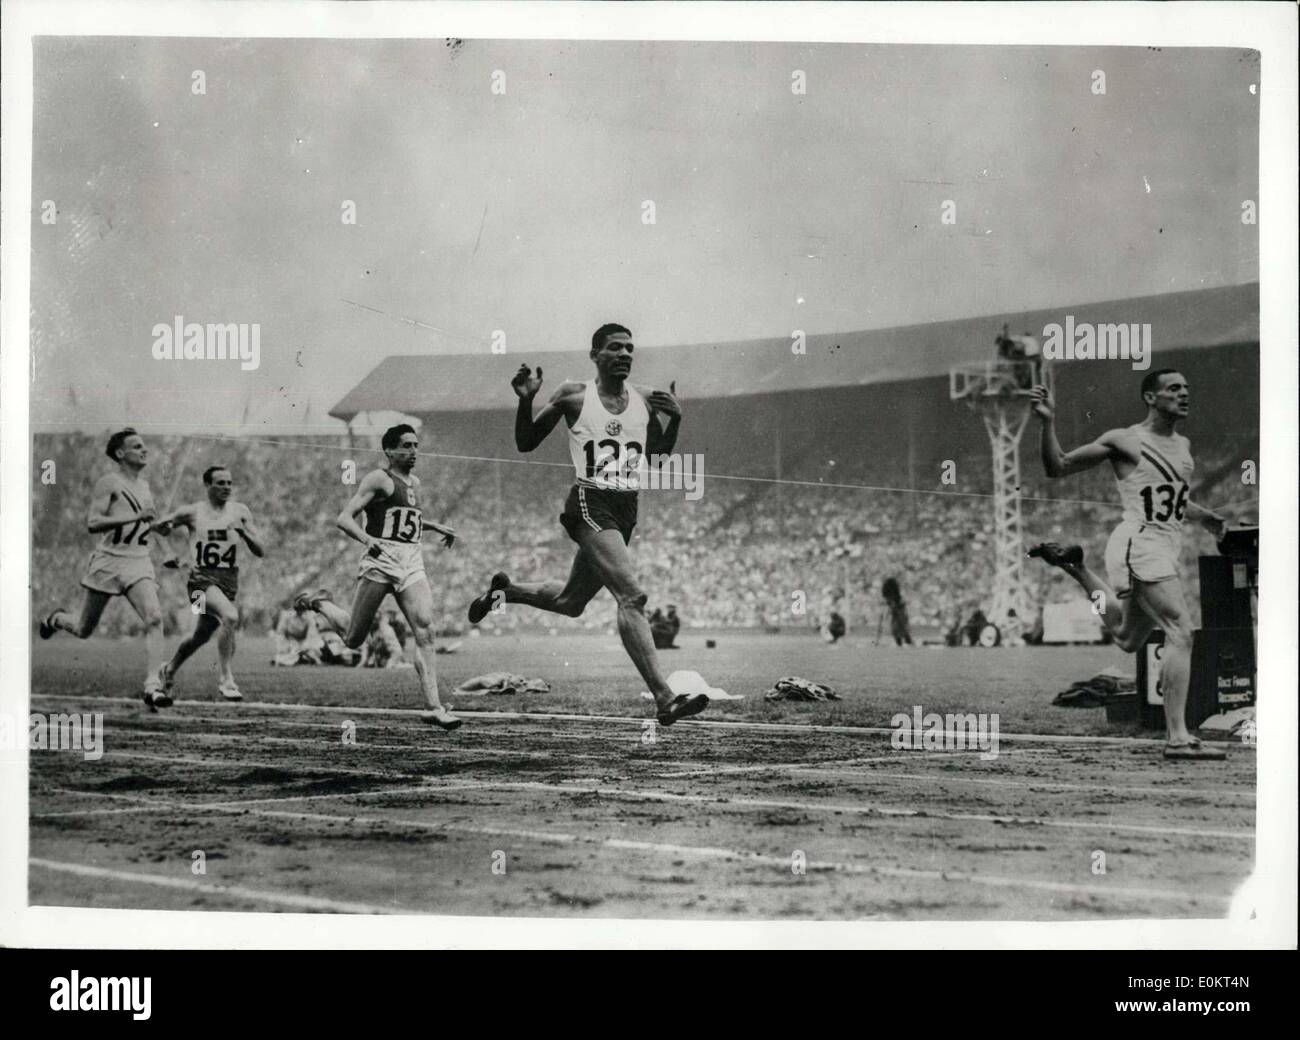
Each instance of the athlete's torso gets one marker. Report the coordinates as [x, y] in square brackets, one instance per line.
[1155, 493]
[396, 517]
[128, 497]
[607, 449]
[213, 545]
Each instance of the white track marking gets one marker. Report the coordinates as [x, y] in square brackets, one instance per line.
[361, 744]
[707, 852]
[685, 725]
[91, 812]
[217, 763]
[816, 766]
[1052, 785]
[285, 899]
[595, 787]
[154, 804]
[858, 809]
[841, 770]
[830, 767]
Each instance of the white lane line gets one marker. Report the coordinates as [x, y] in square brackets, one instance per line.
[323, 771]
[833, 767]
[635, 720]
[596, 788]
[816, 766]
[861, 809]
[864, 777]
[360, 744]
[154, 804]
[830, 767]
[707, 852]
[260, 895]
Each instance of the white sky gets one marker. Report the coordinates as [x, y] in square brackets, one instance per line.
[522, 212]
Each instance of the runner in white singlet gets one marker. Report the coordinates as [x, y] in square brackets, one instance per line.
[220, 530]
[612, 426]
[122, 511]
[1153, 469]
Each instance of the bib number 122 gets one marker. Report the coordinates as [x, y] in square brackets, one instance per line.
[608, 464]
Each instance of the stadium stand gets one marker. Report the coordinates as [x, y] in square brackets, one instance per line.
[789, 505]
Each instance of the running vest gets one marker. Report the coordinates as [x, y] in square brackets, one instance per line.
[213, 545]
[395, 517]
[1155, 493]
[129, 497]
[607, 449]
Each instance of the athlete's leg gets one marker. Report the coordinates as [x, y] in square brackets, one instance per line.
[569, 598]
[1127, 621]
[416, 602]
[92, 609]
[1163, 601]
[1111, 608]
[392, 645]
[354, 625]
[143, 597]
[206, 624]
[228, 614]
[607, 556]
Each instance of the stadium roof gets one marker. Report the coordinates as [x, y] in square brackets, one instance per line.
[424, 384]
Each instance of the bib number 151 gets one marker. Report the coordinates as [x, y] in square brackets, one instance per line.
[403, 525]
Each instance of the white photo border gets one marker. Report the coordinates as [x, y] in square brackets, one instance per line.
[1268, 28]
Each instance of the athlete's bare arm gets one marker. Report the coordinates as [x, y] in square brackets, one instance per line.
[531, 430]
[101, 500]
[376, 482]
[661, 437]
[243, 526]
[1213, 522]
[182, 516]
[1111, 446]
[448, 534]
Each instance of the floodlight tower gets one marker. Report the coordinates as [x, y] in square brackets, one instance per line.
[999, 391]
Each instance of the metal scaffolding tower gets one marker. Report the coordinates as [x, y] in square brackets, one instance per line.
[999, 391]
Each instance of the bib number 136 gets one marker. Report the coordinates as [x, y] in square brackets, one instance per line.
[1171, 504]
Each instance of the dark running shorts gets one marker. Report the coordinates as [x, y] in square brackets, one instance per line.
[600, 510]
[203, 578]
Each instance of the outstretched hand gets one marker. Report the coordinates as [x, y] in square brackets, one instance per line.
[525, 384]
[1044, 406]
[665, 400]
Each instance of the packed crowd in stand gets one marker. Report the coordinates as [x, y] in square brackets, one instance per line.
[746, 554]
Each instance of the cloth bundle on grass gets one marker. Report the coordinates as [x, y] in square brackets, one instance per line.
[792, 688]
[1092, 693]
[501, 683]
